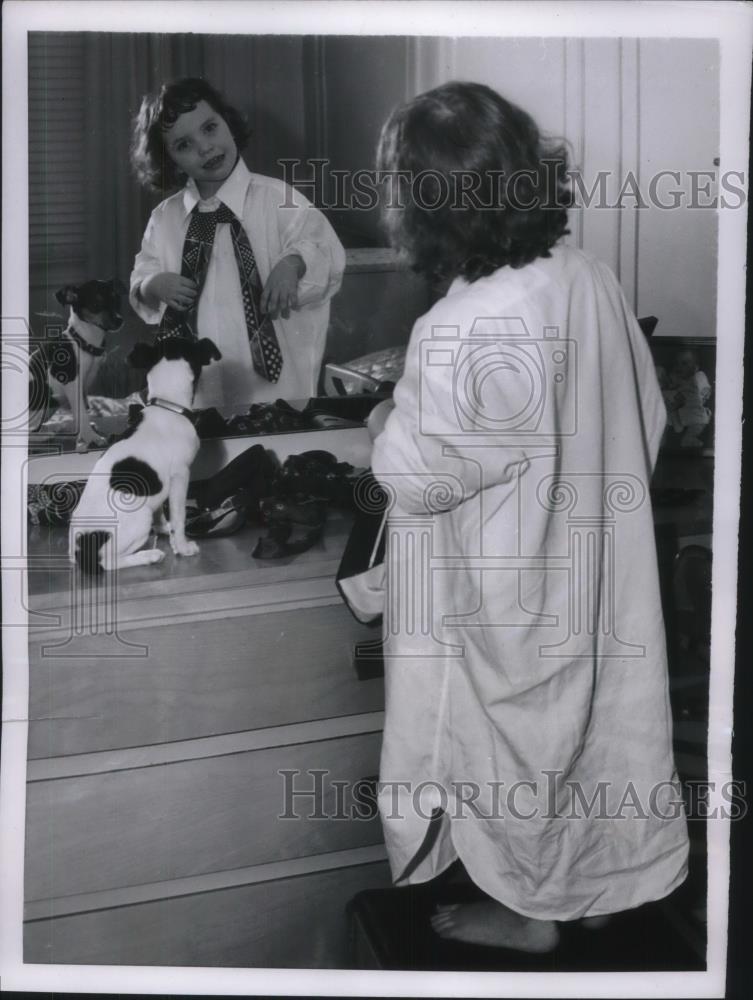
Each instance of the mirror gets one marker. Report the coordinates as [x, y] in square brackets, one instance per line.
[87, 213]
[315, 105]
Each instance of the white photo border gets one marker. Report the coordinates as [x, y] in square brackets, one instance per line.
[732, 25]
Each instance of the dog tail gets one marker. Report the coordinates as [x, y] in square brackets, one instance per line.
[88, 545]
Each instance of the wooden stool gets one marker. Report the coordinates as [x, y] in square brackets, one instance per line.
[390, 929]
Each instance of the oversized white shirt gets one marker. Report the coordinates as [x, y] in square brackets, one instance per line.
[278, 221]
[525, 658]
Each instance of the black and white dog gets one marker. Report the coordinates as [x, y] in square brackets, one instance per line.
[128, 486]
[67, 366]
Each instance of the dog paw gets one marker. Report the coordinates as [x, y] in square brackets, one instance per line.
[155, 556]
[184, 548]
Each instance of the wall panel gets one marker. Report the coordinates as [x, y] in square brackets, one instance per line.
[679, 131]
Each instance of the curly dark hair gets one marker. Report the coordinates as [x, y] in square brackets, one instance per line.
[150, 160]
[484, 189]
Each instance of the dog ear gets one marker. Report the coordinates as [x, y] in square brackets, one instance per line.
[143, 356]
[207, 350]
[67, 295]
[118, 287]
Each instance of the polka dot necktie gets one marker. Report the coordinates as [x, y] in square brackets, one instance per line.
[197, 249]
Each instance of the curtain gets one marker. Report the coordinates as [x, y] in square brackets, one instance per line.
[260, 75]
[120, 69]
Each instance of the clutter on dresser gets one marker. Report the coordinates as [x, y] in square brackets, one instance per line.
[279, 417]
[289, 500]
[375, 372]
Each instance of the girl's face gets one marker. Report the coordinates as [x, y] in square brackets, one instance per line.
[685, 365]
[202, 146]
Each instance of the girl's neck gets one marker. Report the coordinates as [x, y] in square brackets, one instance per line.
[207, 189]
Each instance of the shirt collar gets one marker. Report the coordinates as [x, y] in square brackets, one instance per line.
[232, 193]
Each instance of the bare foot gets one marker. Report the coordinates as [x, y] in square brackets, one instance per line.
[492, 924]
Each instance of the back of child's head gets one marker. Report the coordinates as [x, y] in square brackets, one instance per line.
[158, 113]
[485, 190]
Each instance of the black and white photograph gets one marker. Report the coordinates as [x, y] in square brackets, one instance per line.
[372, 394]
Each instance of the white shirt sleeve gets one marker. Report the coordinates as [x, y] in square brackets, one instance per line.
[305, 231]
[148, 262]
[419, 457]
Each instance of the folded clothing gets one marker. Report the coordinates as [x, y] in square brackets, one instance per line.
[269, 418]
[319, 474]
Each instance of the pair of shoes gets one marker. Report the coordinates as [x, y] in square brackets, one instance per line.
[307, 512]
[225, 519]
[294, 525]
[283, 541]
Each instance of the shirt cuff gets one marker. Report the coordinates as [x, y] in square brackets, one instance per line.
[321, 279]
[146, 312]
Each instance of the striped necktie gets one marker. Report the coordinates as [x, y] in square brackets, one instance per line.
[197, 249]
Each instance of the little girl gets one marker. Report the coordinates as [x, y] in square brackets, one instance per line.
[528, 726]
[255, 277]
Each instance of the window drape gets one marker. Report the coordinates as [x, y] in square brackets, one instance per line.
[119, 70]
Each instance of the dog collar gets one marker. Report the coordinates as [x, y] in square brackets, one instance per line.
[165, 404]
[84, 344]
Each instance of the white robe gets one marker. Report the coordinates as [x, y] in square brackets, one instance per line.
[524, 639]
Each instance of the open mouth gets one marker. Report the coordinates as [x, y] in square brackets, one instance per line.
[215, 162]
